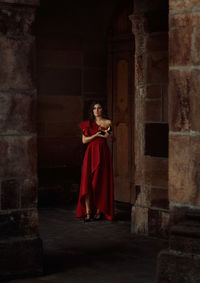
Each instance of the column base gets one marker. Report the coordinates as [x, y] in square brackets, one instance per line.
[20, 257]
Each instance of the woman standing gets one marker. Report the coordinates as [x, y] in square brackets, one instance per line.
[96, 188]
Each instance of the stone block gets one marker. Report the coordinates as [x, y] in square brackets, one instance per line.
[17, 63]
[60, 81]
[158, 223]
[184, 169]
[16, 20]
[10, 194]
[181, 33]
[29, 193]
[154, 222]
[180, 5]
[179, 100]
[139, 220]
[185, 31]
[20, 258]
[17, 113]
[174, 267]
[157, 68]
[157, 42]
[94, 80]
[18, 156]
[19, 224]
[143, 196]
[153, 111]
[194, 100]
[156, 171]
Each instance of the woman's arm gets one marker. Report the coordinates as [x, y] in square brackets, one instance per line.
[90, 138]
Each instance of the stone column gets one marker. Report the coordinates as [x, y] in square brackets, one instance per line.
[150, 28]
[181, 263]
[20, 245]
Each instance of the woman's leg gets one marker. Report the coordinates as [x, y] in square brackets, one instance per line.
[88, 208]
[87, 204]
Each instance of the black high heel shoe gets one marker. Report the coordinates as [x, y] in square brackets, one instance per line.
[98, 216]
[87, 217]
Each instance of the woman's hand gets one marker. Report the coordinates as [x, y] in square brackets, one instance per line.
[102, 136]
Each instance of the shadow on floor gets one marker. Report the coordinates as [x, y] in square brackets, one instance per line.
[104, 251]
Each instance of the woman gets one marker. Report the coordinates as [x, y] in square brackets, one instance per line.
[96, 188]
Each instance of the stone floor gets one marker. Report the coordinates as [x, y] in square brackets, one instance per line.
[104, 251]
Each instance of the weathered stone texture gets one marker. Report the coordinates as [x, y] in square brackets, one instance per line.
[149, 221]
[174, 267]
[17, 63]
[184, 30]
[10, 194]
[153, 91]
[16, 21]
[179, 87]
[139, 69]
[156, 171]
[184, 169]
[153, 110]
[29, 193]
[180, 5]
[19, 223]
[18, 156]
[139, 218]
[159, 198]
[157, 223]
[184, 100]
[17, 113]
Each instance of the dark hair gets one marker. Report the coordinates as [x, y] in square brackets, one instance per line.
[91, 115]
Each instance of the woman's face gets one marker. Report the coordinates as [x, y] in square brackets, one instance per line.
[97, 110]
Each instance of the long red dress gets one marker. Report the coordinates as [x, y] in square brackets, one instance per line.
[97, 174]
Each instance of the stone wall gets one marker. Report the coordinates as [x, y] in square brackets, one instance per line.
[150, 27]
[72, 71]
[20, 245]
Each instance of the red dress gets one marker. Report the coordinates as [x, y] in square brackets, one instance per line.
[97, 174]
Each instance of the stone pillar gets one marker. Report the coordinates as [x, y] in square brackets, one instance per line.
[20, 245]
[181, 263]
[150, 28]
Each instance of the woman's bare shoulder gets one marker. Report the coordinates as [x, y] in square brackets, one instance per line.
[107, 122]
